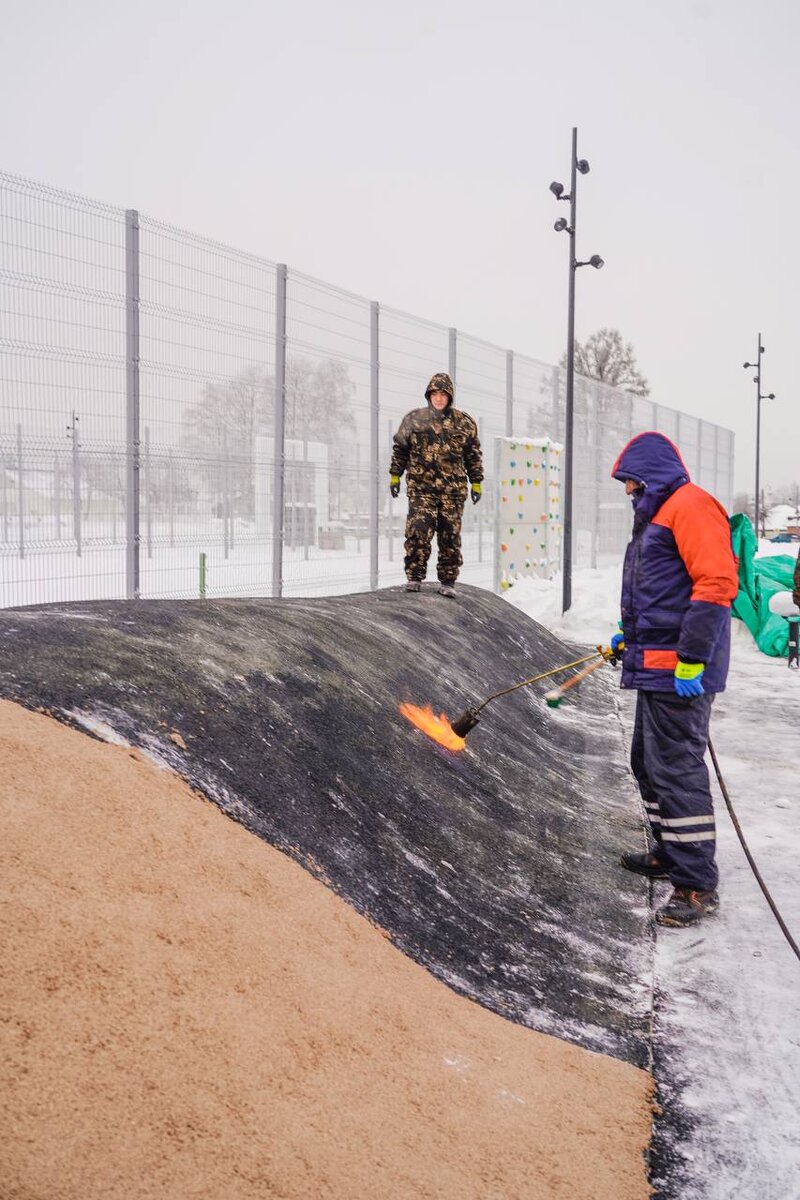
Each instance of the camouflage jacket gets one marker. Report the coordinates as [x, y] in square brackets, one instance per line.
[438, 451]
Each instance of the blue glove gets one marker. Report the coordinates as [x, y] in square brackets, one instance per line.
[689, 679]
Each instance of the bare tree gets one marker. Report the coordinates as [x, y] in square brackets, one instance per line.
[606, 357]
[221, 427]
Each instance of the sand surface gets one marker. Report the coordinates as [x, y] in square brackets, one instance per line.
[185, 1012]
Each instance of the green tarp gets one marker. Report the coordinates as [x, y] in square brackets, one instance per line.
[760, 578]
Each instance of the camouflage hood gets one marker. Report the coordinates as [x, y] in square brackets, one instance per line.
[441, 382]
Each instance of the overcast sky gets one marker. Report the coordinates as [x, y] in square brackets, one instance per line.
[404, 151]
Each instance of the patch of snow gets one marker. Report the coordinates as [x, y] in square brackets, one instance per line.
[99, 728]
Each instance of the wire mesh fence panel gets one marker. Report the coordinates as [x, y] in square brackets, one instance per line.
[708, 456]
[62, 394]
[536, 399]
[207, 365]
[181, 418]
[329, 470]
[723, 482]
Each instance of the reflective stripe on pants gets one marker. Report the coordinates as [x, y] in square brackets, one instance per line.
[670, 737]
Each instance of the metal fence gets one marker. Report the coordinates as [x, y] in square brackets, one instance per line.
[179, 418]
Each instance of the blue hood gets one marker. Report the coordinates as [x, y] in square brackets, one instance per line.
[652, 460]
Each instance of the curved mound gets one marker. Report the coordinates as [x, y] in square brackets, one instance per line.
[186, 1012]
[495, 868]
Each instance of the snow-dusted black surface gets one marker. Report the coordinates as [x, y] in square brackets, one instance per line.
[494, 868]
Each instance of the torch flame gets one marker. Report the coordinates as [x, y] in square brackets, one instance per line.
[435, 727]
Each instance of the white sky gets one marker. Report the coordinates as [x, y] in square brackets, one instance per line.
[404, 152]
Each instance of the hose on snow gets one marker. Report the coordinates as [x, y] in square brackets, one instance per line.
[748, 855]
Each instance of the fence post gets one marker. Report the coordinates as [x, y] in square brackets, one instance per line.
[390, 506]
[497, 507]
[225, 493]
[451, 358]
[20, 501]
[596, 485]
[132, 533]
[57, 494]
[306, 493]
[509, 393]
[374, 438]
[171, 499]
[76, 485]
[5, 496]
[148, 492]
[476, 509]
[279, 455]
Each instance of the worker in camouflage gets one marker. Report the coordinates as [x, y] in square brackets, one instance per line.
[439, 450]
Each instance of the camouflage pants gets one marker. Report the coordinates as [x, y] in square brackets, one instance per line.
[429, 513]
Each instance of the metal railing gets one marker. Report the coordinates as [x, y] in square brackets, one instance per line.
[180, 418]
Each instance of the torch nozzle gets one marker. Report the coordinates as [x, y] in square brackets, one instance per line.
[465, 722]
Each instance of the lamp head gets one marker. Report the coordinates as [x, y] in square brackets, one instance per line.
[596, 261]
[557, 189]
[582, 166]
[748, 364]
[560, 225]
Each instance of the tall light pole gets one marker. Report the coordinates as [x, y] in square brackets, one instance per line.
[582, 166]
[759, 398]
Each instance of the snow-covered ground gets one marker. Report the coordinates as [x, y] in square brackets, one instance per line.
[727, 1020]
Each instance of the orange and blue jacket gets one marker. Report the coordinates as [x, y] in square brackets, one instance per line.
[680, 573]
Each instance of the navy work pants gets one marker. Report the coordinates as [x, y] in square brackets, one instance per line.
[670, 737]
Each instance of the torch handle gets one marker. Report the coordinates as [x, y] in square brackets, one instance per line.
[576, 679]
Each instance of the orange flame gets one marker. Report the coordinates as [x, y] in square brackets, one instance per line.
[437, 728]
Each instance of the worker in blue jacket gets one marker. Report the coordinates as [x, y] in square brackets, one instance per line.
[678, 581]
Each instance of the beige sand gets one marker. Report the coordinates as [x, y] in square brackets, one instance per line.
[187, 1013]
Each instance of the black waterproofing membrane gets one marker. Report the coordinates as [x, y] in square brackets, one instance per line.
[496, 868]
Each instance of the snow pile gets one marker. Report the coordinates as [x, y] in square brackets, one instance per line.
[594, 613]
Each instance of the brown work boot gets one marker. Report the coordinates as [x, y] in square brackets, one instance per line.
[686, 906]
[447, 589]
[644, 864]
[413, 585]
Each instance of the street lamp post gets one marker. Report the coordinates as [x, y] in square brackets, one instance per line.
[759, 397]
[578, 165]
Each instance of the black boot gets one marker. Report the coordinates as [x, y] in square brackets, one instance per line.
[645, 864]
